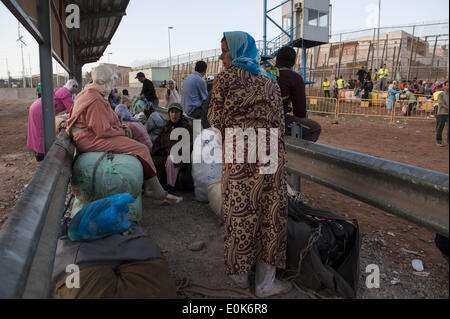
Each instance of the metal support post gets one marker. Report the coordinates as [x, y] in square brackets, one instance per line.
[412, 51]
[292, 21]
[46, 68]
[303, 61]
[296, 132]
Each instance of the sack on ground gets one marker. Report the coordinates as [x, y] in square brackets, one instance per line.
[101, 218]
[207, 151]
[100, 175]
[332, 261]
[215, 197]
[120, 266]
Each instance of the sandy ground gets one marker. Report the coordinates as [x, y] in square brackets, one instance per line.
[175, 228]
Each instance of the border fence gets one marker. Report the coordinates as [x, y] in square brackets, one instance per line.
[410, 51]
[420, 109]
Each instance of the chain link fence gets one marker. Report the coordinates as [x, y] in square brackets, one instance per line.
[409, 51]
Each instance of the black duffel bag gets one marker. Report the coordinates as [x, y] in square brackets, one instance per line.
[328, 247]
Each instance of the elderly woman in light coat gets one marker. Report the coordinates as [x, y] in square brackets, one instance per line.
[172, 95]
[95, 127]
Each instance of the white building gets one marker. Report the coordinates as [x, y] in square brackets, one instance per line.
[156, 75]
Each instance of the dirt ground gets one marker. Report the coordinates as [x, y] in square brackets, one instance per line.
[384, 237]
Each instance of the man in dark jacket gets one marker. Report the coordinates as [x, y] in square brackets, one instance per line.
[293, 92]
[361, 75]
[148, 89]
[166, 169]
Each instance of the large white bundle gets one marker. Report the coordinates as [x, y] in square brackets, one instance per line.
[215, 196]
[206, 162]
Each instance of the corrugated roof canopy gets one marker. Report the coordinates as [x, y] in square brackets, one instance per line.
[99, 21]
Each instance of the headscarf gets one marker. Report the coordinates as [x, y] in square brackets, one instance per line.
[174, 83]
[174, 96]
[125, 100]
[243, 52]
[70, 84]
[124, 114]
[102, 79]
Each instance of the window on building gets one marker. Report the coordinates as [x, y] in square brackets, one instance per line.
[317, 19]
[313, 17]
[286, 22]
[323, 19]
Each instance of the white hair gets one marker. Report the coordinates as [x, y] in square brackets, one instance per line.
[103, 75]
[70, 84]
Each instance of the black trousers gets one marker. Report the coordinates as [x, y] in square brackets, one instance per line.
[326, 93]
[310, 129]
[197, 113]
[441, 120]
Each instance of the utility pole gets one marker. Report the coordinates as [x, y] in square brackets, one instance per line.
[170, 53]
[378, 40]
[31, 72]
[21, 48]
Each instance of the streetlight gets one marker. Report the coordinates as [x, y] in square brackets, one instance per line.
[109, 56]
[170, 53]
[378, 40]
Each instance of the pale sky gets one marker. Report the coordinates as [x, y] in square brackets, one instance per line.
[199, 24]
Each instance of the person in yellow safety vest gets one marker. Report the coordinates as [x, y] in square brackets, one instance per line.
[436, 97]
[326, 88]
[340, 85]
[383, 77]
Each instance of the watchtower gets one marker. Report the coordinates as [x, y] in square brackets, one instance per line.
[305, 24]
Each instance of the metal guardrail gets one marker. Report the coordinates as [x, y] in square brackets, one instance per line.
[29, 237]
[415, 194]
[412, 193]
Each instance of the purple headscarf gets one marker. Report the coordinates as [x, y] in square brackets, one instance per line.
[124, 114]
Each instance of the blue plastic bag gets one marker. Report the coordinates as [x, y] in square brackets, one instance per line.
[101, 218]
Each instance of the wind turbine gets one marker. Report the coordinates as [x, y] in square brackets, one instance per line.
[21, 48]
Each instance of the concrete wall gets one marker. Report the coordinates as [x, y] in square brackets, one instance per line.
[160, 74]
[17, 94]
[153, 74]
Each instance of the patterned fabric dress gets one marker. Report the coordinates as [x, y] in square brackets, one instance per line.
[254, 205]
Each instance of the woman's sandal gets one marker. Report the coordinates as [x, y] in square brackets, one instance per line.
[165, 201]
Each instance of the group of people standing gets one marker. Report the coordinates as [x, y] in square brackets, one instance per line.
[362, 87]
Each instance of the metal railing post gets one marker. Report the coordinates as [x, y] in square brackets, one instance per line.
[296, 132]
[337, 108]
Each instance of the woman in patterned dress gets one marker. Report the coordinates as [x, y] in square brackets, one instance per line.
[255, 207]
